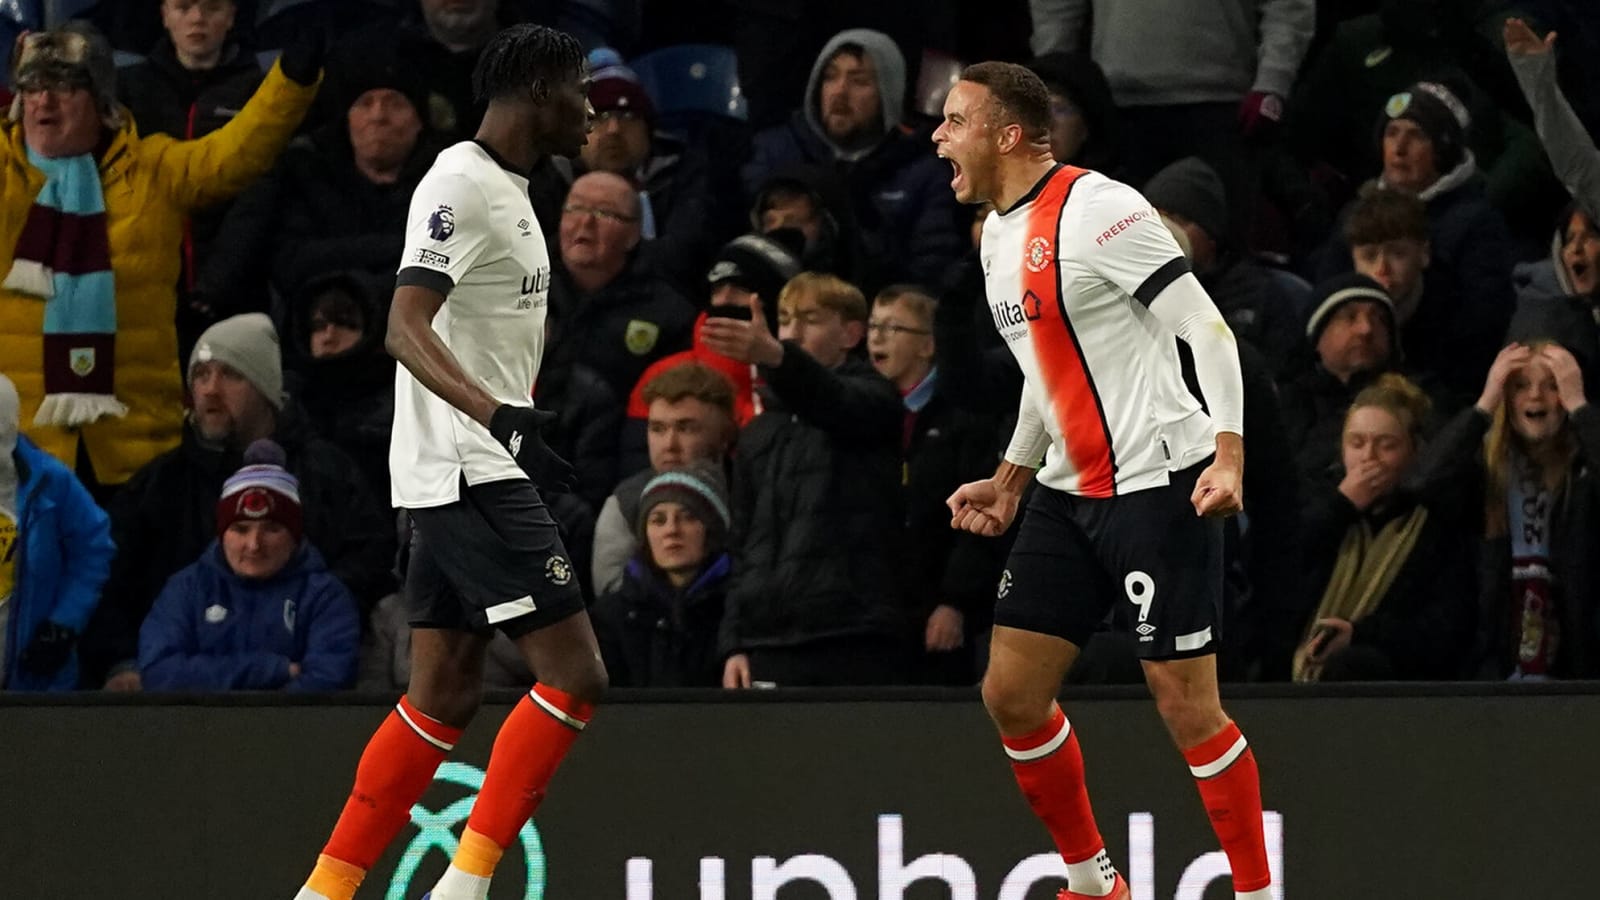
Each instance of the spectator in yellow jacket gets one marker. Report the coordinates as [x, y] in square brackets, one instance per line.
[91, 219]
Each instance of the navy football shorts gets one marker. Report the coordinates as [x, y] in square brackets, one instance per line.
[1143, 560]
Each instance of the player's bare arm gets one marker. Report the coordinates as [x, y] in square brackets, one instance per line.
[987, 507]
[411, 341]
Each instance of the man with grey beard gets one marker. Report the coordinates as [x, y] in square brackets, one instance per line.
[164, 517]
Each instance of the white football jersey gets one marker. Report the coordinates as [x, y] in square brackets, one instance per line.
[472, 236]
[1070, 272]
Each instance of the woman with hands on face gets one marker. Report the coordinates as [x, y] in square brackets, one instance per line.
[1526, 460]
[1392, 570]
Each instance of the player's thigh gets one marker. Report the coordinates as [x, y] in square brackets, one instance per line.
[566, 655]
[499, 553]
[1166, 565]
[1024, 677]
[1054, 582]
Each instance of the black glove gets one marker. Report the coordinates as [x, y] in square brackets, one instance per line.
[517, 429]
[49, 649]
[302, 60]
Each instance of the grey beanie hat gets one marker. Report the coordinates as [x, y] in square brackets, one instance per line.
[248, 344]
[699, 486]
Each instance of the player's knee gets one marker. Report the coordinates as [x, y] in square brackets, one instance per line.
[1014, 709]
[1190, 720]
[585, 682]
[454, 705]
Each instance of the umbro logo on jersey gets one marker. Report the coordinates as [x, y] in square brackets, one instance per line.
[515, 443]
[524, 226]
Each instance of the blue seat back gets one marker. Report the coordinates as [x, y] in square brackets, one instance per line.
[688, 80]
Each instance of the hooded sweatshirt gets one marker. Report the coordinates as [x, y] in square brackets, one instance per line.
[905, 211]
[891, 69]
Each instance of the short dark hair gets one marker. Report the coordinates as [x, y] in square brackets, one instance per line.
[1384, 214]
[521, 56]
[1019, 94]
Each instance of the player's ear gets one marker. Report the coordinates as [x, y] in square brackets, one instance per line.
[1009, 137]
[540, 91]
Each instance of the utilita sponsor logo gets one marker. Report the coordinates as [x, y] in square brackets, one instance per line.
[768, 876]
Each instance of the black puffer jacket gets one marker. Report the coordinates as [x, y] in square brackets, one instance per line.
[620, 329]
[654, 636]
[949, 446]
[816, 509]
[1423, 626]
[349, 398]
[166, 515]
[332, 219]
[166, 98]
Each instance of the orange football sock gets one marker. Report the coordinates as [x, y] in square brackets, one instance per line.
[1230, 784]
[531, 744]
[395, 770]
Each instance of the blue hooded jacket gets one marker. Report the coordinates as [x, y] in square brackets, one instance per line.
[63, 557]
[211, 630]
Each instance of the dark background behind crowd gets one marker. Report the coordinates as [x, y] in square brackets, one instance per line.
[1393, 203]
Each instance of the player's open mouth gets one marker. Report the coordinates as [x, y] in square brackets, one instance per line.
[879, 358]
[955, 177]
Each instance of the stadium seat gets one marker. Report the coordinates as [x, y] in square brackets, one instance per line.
[59, 11]
[16, 16]
[689, 80]
[1294, 289]
[940, 72]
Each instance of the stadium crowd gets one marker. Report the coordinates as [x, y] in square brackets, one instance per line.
[1394, 203]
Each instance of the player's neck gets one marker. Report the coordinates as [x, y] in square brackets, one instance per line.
[507, 137]
[1017, 179]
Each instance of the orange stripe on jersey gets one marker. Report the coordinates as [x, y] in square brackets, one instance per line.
[1073, 398]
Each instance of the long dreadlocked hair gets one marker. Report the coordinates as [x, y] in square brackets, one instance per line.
[523, 57]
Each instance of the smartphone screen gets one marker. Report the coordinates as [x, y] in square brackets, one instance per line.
[729, 312]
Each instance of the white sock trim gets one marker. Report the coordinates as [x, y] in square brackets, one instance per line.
[1260, 894]
[1221, 763]
[423, 734]
[1044, 749]
[1092, 877]
[573, 722]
